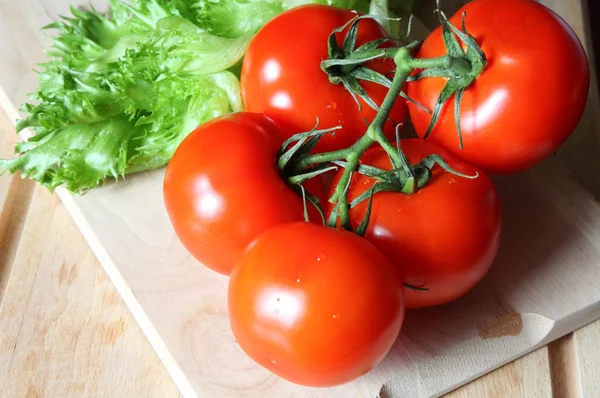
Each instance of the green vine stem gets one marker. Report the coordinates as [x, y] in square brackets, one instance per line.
[460, 67]
[405, 64]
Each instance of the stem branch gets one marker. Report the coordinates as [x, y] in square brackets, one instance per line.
[374, 134]
[426, 63]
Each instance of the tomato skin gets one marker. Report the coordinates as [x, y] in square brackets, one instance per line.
[314, 305]
[222, 188]
[282, 77]
[444, 237]
[527, 101]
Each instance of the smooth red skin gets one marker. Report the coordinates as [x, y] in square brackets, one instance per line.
[444, 237]
[314, 305]
[228, 165]
[294, 43]
[529, 98]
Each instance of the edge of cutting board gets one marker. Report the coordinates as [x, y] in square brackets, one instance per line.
[111, 270]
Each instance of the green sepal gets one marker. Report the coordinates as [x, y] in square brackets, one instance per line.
[363, 73]
[313, 200]
[464, 68]
[362, 228]
[303, 144]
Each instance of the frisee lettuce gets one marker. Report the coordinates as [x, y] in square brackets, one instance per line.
[121, 91]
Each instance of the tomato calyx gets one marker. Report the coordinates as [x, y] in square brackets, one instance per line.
[298, 164]
[460, 68]
[289, 155]
[346, 64]
[407, 179]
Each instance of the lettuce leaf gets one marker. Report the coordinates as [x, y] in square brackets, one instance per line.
[393, 15]
[122, 90]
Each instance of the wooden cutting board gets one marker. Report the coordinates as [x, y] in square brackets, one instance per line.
[545, 283]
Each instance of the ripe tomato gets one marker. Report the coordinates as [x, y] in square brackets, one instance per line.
[282, 77]
[222, 188]
[444, 237]
[526, 102]
[314, 305]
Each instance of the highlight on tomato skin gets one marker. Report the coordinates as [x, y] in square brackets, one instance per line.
[282, 78]
[529, 98]
[316, 306]
[222, 188]
[445, 237]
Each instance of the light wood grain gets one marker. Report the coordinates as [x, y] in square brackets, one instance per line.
[587, 342]
[7, 142]
[527, 377]
[64, 330]
[15, 197]
[564, 368]
[544, 284]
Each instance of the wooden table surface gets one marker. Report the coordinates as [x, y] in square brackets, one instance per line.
[65, 332]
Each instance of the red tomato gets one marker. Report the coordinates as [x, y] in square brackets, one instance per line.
[444, 237]
[222, 188]
[314, 305]
[282, 77]
[526, 102]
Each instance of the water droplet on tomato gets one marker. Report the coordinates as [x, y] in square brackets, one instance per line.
[335, 316]
[332, 106]
[298, 280]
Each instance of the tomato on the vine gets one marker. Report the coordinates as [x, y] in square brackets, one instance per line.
[222, 188]
[315, 305]
[282, 77]
[444, 237]
[529, 98]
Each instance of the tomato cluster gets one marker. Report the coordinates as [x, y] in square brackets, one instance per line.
[412, 224]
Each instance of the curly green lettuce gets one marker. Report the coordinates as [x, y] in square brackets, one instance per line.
[122, 90]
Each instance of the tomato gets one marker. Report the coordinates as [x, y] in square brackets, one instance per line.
[282, 77]
[444, 237]
[527, 101]
[314, 305]
[222, 188]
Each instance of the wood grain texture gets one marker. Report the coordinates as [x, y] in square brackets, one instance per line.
[527, 377]
[15, 197]
[564, 368]
[550, 247]
[587, 345]
[64, 330]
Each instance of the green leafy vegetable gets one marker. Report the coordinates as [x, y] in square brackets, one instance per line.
[121, 91]
[392, 14]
